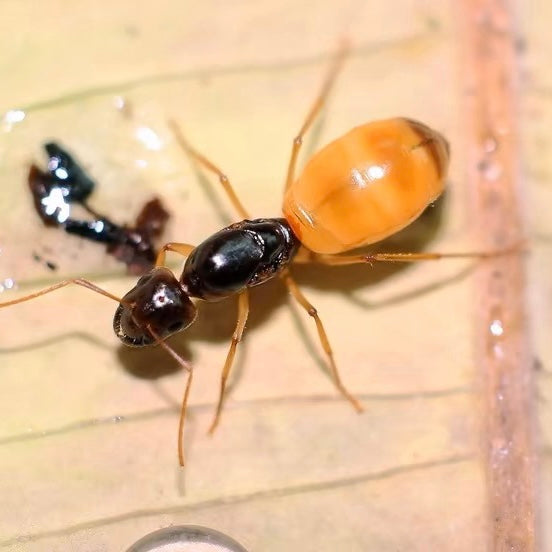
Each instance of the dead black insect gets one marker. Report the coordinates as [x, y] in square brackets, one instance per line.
[66, 183]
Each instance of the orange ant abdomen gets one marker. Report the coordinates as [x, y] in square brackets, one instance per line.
[366, 185]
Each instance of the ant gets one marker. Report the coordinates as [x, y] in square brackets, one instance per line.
[359, 189]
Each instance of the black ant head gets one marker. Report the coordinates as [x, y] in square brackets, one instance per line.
[157, 306]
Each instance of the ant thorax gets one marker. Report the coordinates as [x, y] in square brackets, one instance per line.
[242, 255]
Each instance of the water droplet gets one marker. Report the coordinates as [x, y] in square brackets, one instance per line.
[12, 117]
[183, 538]
[9, 283]
[496, 328]
[491, 169]
[490, 144]
[503, 451]
[120, 102]
[149, 138]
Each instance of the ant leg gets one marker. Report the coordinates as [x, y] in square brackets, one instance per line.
[336, 260]
[202, 160]
[186, 365]
[243, 312]
[183, 249]
[314, 110]
[302, 300]
[77, 281]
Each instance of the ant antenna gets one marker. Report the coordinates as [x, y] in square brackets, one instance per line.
[186, 365]
[77, 281]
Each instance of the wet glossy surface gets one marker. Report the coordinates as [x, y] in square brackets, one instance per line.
[366, 185]
[64, 183]
[64, 169]
[54, 192]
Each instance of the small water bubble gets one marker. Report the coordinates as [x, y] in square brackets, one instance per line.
[9, 283]
[14, 116]
[503, 451]
[11, 118]
[120, 102]
[496, 327]
[491, 169]
[123, 106]
[186, 538]
[490, 144]
[149, 138]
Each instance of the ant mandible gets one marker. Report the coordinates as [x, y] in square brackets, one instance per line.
[359, 189]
